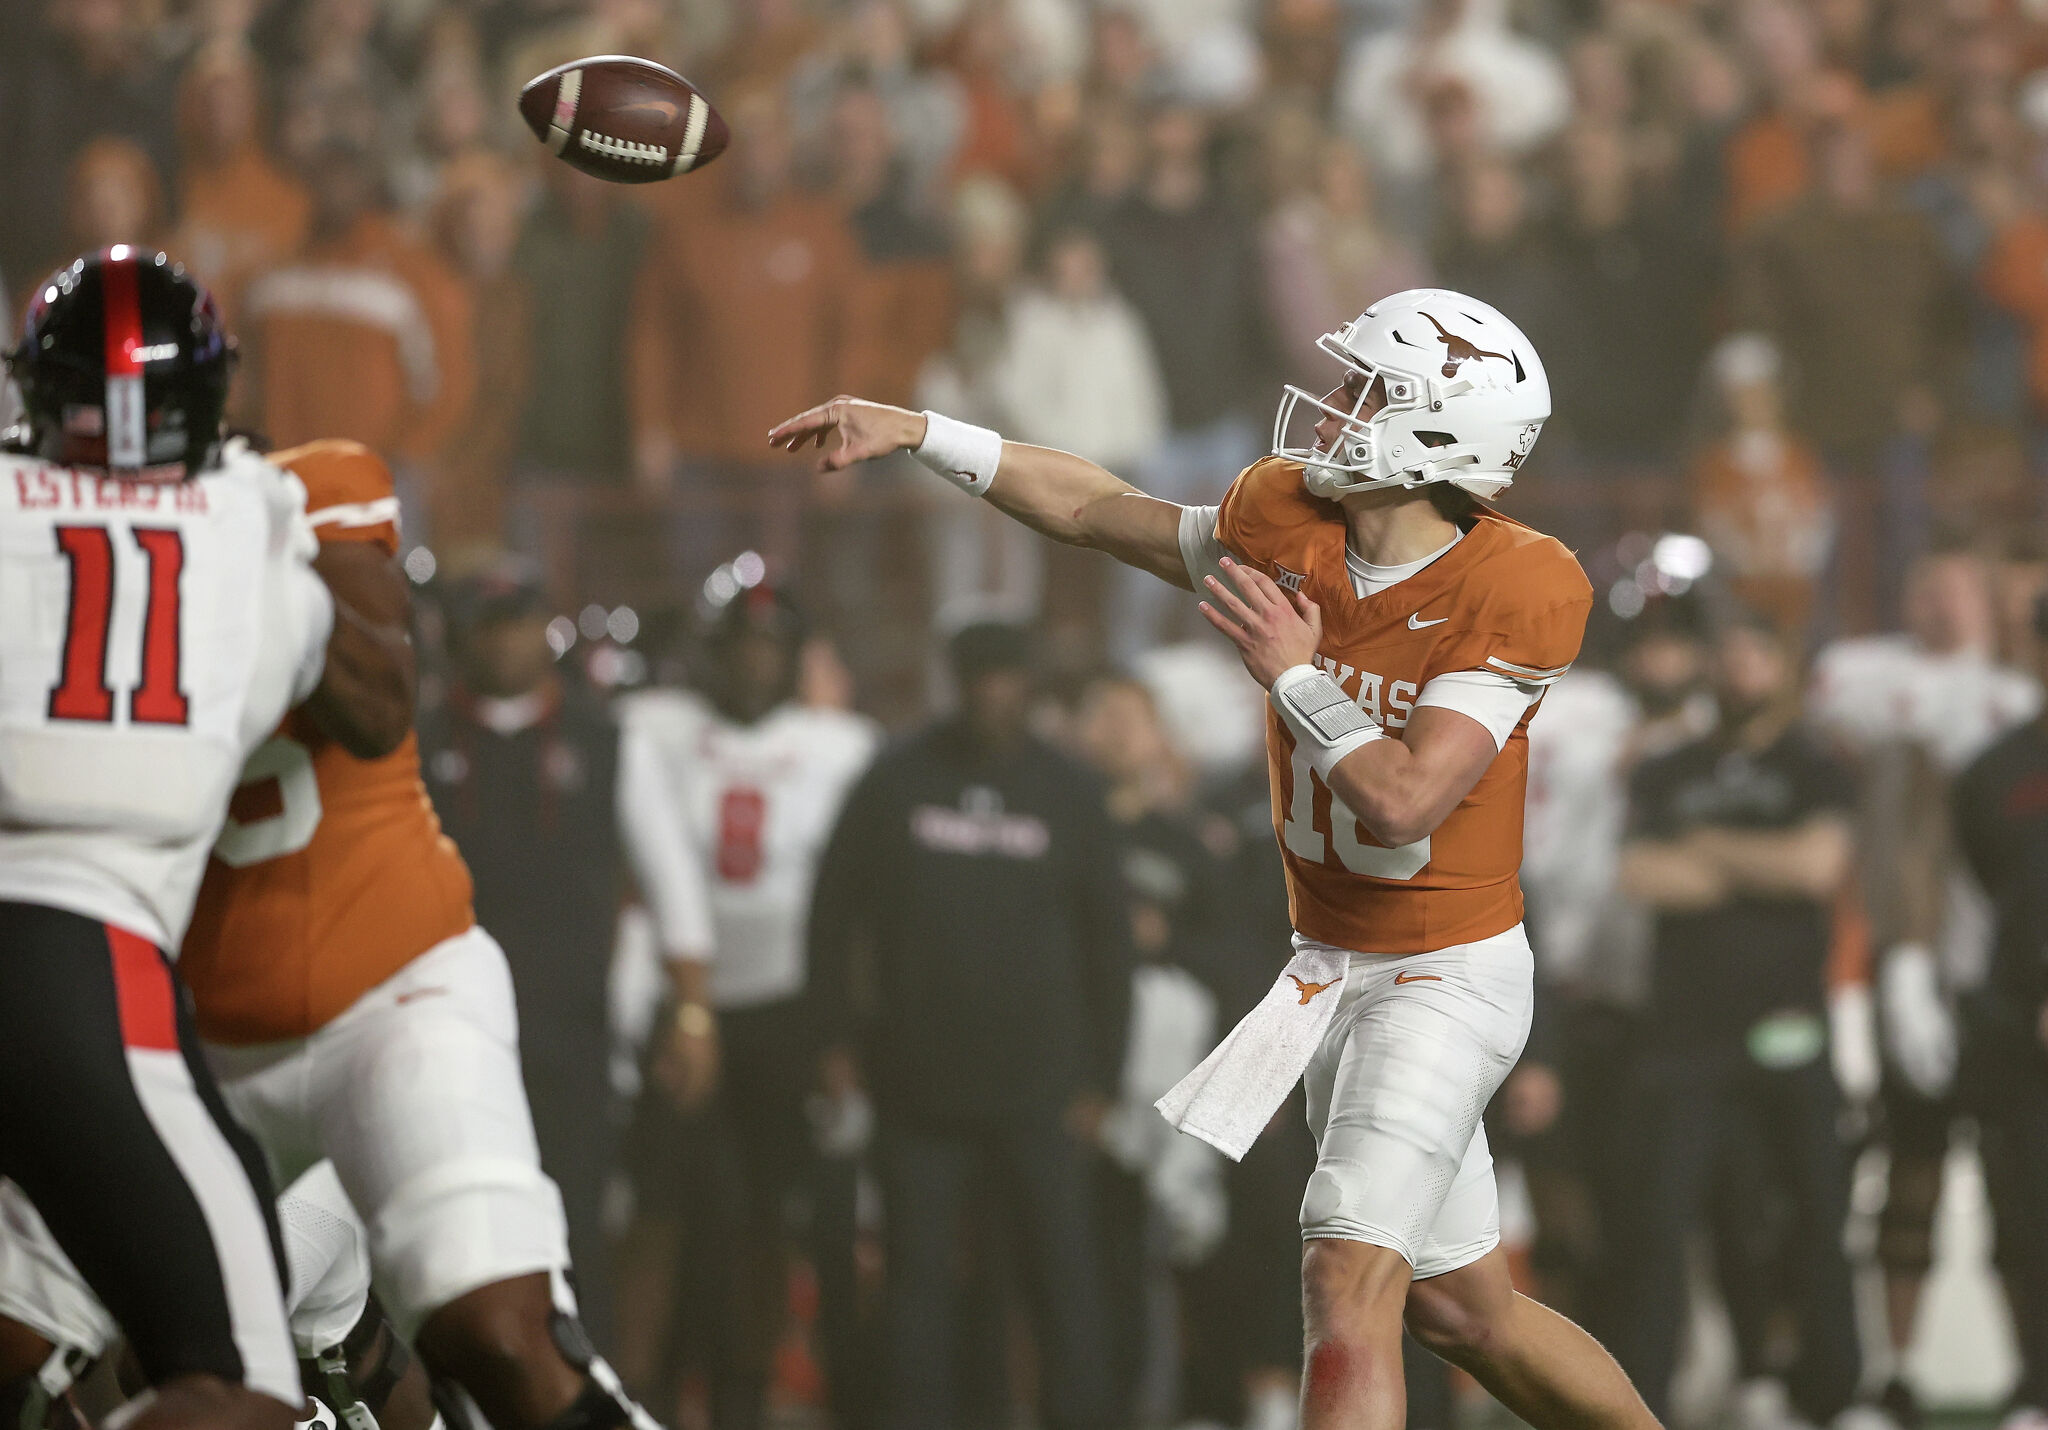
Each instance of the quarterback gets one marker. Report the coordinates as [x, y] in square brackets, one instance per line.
[1405, 632]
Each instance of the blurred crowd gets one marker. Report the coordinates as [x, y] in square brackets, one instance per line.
[1785, 258]
[1787, 263]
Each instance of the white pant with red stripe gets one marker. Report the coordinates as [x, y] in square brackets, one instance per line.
[111, 1125]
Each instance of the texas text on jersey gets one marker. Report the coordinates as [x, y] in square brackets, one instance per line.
[1504, 600]
[332, 872]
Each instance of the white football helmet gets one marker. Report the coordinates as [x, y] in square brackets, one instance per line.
[1465, 396]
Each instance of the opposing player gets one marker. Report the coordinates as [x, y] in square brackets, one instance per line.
[159, 615]
[353, 1009]
[1406, 632]
[760, 779]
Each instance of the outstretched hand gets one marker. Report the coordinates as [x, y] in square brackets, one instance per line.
[1272, 629]
[849, 430]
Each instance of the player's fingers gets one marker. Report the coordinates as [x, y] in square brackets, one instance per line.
[1238, 635]
[1257, 588]
[1228, 600]
[802, 423]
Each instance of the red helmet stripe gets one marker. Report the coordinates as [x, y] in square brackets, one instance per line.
[123, 298]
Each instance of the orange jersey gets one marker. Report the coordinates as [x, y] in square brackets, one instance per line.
[1505, 599]
[332, 872]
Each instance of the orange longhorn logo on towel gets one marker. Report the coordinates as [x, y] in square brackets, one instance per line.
[1309, 990]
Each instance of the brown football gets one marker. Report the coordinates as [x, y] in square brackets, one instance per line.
[624, 119]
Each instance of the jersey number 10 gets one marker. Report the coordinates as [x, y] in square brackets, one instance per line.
[1305, 841]
[81, 691]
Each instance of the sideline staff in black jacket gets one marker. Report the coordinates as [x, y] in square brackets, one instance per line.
[973, 877]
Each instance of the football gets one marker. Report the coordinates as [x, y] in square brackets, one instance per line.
[627, 120]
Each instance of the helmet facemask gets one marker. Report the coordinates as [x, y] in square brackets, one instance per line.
[1354, 461]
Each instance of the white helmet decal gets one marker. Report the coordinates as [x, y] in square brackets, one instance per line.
[1462, 399]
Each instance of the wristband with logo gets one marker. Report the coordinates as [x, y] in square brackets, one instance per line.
[962, 453]
[1327, 723]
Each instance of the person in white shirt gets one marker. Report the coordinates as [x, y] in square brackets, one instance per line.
[1078, 370]
[758, 779]
[1912, 709]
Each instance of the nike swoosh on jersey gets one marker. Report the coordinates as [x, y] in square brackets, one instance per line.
[1416, 623]
[1418, 978]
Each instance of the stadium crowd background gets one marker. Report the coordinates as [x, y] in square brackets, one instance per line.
[1787, 264]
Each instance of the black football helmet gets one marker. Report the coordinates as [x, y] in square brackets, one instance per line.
[744, 678]
[123, 364]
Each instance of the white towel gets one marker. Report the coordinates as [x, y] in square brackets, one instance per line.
[1230, 1098]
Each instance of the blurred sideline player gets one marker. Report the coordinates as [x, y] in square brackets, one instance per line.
[759, 779]
[354, 1010]
[160, 614]
[1405, 632]
[1912, 710]
[355, 1368]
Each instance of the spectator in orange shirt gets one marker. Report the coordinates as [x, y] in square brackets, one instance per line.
[367, 335]
[740, 309]
[2015, 277]
[1759, 494]
[240, 214]
[997, 139]
[72, 71]
[476, 227]
[900, 304]
[1767, 158]
[112, 195]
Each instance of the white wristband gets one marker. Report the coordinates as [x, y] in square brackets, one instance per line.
[962, 453]
[1327, 724]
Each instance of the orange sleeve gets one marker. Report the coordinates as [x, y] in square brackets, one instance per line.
[349, 492]
[1264, 511]
[1532, 623]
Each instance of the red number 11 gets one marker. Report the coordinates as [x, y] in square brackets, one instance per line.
[81, 692]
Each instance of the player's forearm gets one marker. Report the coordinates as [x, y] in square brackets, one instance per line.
[689, 979]
[365, 697]
[1073, 501]
[1670, 877]
[1057, 494]
[1811, 861]
[364, 701]
[1391, 792]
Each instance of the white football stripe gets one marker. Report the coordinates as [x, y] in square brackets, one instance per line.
[249, 1271]
[693, 136]
[566, 95]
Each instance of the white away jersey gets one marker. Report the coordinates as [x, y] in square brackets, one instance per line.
[151, 635]
[1875, 690]
[758, 803]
